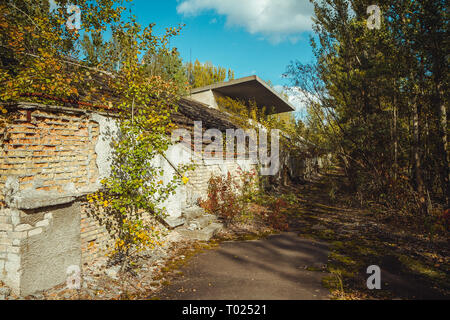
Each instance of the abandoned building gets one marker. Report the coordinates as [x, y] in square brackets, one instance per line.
[53, 156]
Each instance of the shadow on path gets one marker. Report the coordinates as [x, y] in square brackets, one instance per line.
[268, 269]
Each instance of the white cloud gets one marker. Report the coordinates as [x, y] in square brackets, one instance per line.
[297, 97]
[276, 20]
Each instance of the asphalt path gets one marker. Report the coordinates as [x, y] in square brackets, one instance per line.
[274, 268]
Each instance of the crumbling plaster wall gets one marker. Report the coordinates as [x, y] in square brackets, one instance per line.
[186, 196]
[49, 159]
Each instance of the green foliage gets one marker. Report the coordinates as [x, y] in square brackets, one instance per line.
[136, 184]
[203, 74]
[276, 216]
[234, 200]
[169, 66]
[229, 197]
[376, 99]
[248, 115]
[37, 51]
[242, 111]
[95, 49]
[40, 61]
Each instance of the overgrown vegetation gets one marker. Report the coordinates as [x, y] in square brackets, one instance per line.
[136, 184]
[378, 101]
[40, 61]
[233, 199]
[203, 74]
[412, 265]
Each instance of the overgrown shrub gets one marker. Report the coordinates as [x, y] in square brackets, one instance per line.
[275, 216]
[223, 199]
[229, 197]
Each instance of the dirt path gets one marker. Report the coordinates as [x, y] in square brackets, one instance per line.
[267, 269]
[413, 266]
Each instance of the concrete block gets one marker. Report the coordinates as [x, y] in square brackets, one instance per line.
[193, 212]
[5, 220]
[5, 227]
[204, 234]
[48, 254]
[43, 223]
[12, 249]
[15, 217]
[12, 260]
[5, 291]
[19, 235]
[23, 227]
[174, 222]
[5, 241]
[35, 232]
[203, 221]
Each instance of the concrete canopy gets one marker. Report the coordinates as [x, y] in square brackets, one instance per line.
[250, 88]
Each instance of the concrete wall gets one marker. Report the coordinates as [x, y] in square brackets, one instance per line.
[38, 246]
[206, 97]
[47, 255]
[197, 187]
[49, 158]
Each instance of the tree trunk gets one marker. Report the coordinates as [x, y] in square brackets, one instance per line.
[395, 140]
[445, 171]
[417, 156]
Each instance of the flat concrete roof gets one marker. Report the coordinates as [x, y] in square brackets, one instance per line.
[250, 88]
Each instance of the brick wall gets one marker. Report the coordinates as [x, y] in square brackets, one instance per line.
[50, 158]
[94, 237]
[49, 151]
[47, 159]
[199, 178]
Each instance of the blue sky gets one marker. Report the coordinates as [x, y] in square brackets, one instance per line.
[249, 36]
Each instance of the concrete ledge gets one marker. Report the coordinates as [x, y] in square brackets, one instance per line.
[40, 200]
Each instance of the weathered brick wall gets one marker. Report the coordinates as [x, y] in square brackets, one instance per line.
[199, 178]
[47, 161]
[49, 151]
[5, 241]
[95, 240]
[94, 237]
[50, 159]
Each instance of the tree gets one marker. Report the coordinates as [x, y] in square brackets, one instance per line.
[40, 61]
[95, 48]
[376, 97]
[38, 52]
[205, 74]
[136, 184]
[169, 66]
